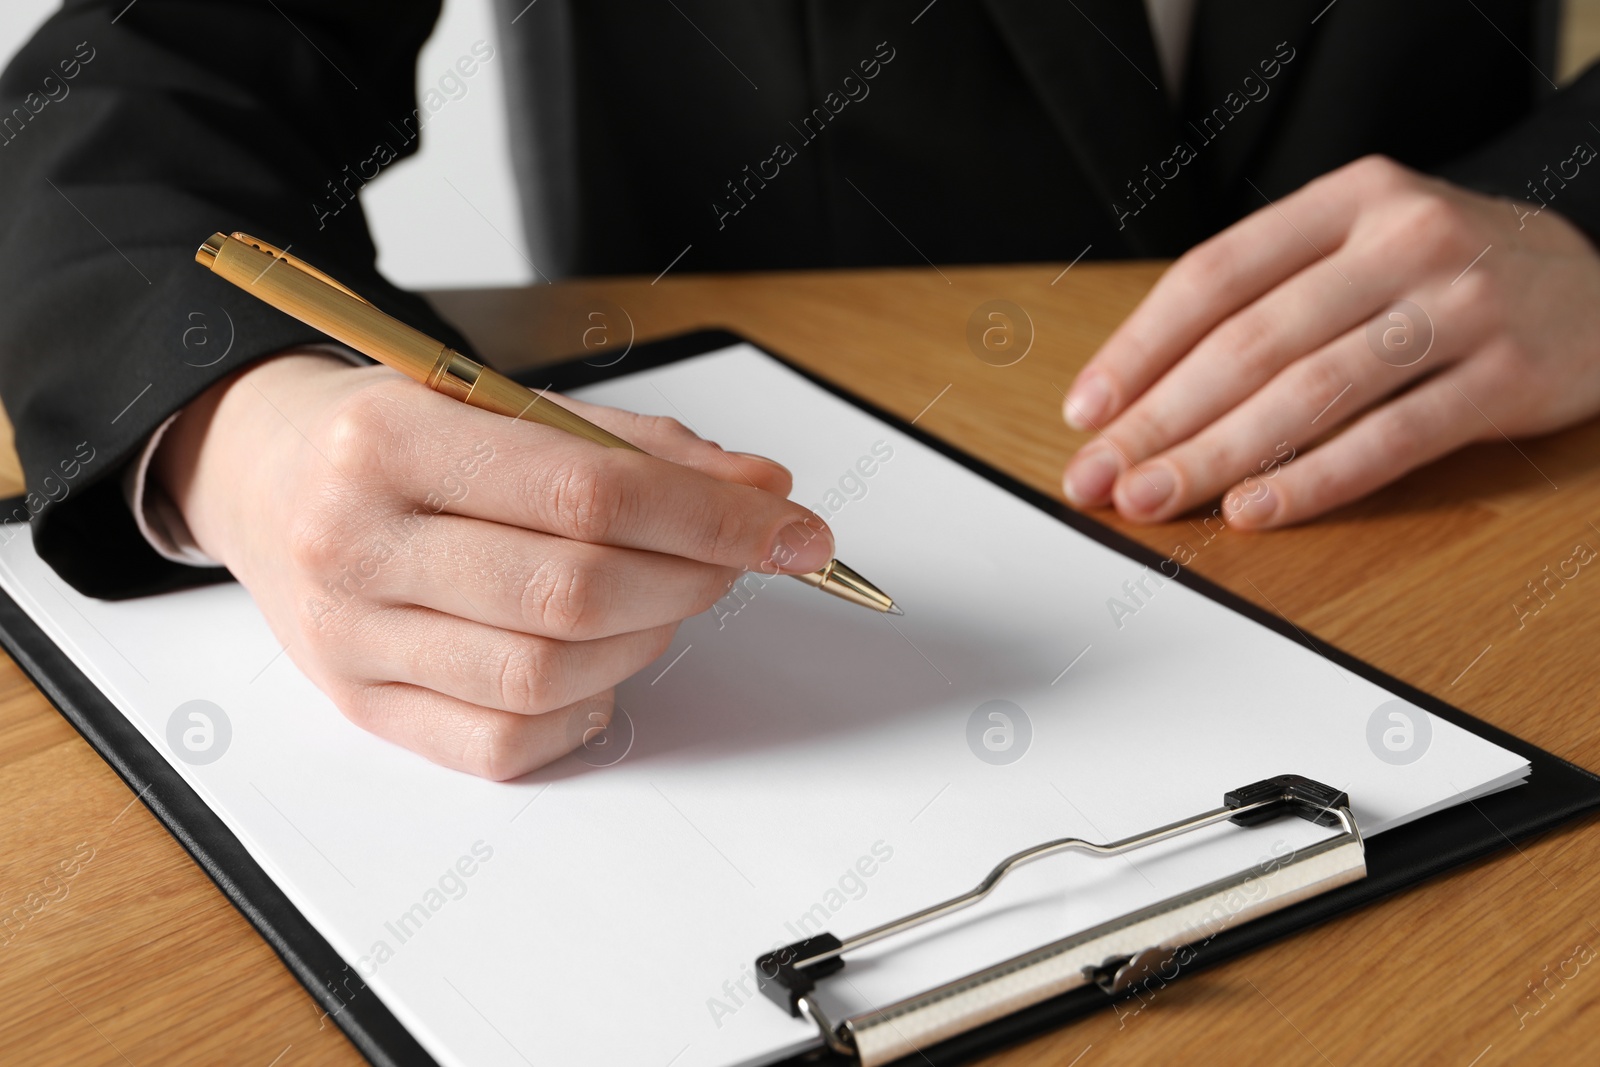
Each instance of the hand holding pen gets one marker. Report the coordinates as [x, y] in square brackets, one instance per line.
[465, 584]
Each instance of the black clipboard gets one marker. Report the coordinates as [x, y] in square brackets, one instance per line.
[1556, 791]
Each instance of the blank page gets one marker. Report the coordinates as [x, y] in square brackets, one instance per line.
[791, 764]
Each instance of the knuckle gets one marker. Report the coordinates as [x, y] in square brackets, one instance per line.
[359, 433]
[1320, 381]
[1517, 367]
[361, 704]
[1249, 338]
[1210, 264]
[564, 597]
[586, 504]
[723, 535]
[316, 538]
[522, 673]
[493, 748]
[325, 623]
[1522, 387]
[719, 582]
[1396, 437]
[1482, 295]
[1378, 172]
[1435, 220]
[1374, 165]
[665, 427]
[1418, 233]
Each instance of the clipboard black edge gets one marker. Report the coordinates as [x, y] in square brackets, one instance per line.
[365, 1019]
[1557, 791]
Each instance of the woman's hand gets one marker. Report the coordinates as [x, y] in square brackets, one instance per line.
[464, 584]
[1411, 315]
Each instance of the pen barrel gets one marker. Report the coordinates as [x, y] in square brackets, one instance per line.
[493, 391]
[306, 297]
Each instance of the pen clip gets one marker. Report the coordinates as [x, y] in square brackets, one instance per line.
[298, 264]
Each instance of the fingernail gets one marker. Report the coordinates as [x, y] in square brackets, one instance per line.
[1087, 403]
[1147, 488]
[1089, 477]
[763, 459]
[802, 548]
[1258, 512]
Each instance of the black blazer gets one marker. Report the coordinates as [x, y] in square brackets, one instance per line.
[785, 133]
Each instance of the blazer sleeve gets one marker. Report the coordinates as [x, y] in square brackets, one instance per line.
[128, 134]
[1549, 159]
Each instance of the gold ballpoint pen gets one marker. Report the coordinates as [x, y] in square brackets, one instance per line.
[296, 288]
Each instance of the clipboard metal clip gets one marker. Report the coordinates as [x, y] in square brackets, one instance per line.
[1113, 956]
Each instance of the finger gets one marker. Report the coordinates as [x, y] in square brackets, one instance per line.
[494, 668]
[674, 440]
[1230, 363]
[498, 745]
[1432, 420]
[1306, 400]
[1212, 281]
[534, 583]
[1233, 361]
[1246, 351]
[448, 457]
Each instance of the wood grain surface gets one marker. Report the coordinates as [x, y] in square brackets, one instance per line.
[140, 960]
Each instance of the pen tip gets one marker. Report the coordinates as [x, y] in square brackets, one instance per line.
[894, 609]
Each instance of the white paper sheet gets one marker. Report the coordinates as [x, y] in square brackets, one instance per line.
[795, 764]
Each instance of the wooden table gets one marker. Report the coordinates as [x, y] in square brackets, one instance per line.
[143, 961]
